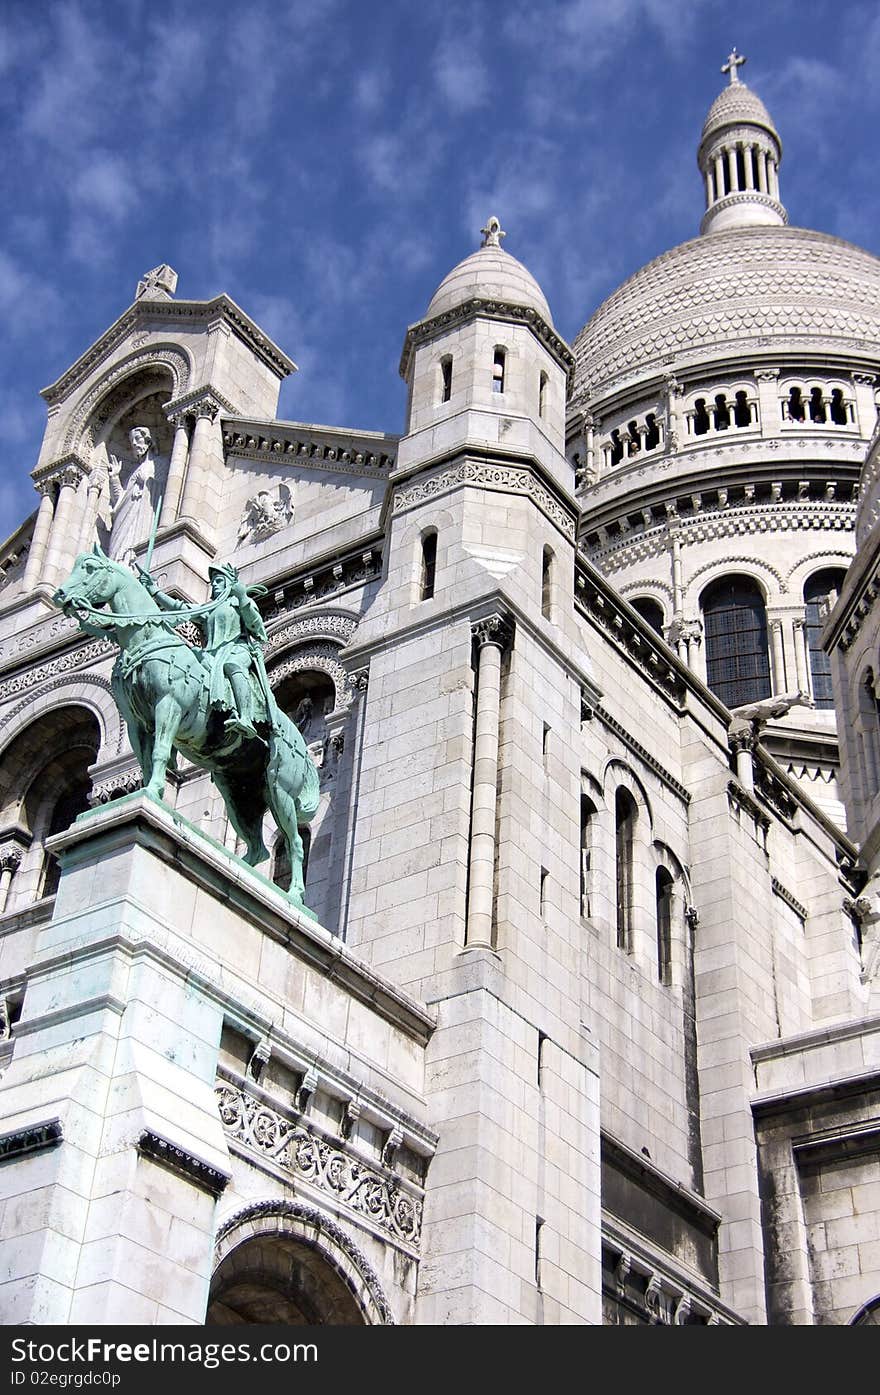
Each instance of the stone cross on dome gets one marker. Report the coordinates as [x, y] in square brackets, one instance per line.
[734, 61]
[492, 233]
[158, 284]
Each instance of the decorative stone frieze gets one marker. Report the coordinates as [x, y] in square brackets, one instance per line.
[642, 754]
[384, 1201]
[507, 479]
[325, 582]
[601, 607]
[487, 309]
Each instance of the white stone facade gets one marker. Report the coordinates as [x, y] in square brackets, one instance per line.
[585, 1027]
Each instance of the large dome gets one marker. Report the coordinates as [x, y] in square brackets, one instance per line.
[489, 274]
[732, 295]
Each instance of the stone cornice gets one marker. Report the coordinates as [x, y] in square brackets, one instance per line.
[188, 402]
[637, 749]
[184, 1164]
[424, 330]
[487, 468]
[143, 314]
[368, 453]
[785, 895]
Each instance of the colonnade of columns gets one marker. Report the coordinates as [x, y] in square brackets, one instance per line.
[759, 171]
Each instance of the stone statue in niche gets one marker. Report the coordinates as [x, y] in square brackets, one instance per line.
[266, 513]
[132, 503]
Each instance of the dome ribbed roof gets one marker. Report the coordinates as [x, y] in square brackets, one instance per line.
[733, 294]
[489, 274]
[737, 105]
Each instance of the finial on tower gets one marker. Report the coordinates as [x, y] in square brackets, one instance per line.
[492, 233]
[734, 61]
[158, 284]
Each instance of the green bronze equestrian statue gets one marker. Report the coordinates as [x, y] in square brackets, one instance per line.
[214, 704]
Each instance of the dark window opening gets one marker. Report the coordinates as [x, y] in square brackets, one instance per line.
[498, 371]
[542, 394]
[795, 405]
[722, 413]
[650, 610]
[737, 659]
[822, 588]
[838, 408]
[742, 412]
[664, 891]
[817, 405]
[74, 801]
[740, 168]
[652, 435]
[588, 814]
[634, 440]
[445, 379]
[701, 417]
[616, 447]
[725, 172]
[625, 814]
[543, 892]
[429, 566]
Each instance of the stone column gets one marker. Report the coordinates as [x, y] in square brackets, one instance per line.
[200, 453]
[761, 162]
[491, 636]
[176, 471]
[866, 407]
[10, 861]
[747, 161]
[693, 634]
[778, 677]
[801, 654]
[719, 176]
[42, 529]
[62, 524]
[773, 178]
[731, 169]
[742, 743]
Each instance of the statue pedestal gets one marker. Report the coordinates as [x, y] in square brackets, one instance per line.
[113, 1151]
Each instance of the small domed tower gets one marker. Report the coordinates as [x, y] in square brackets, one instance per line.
[467, 859]
[739, 158]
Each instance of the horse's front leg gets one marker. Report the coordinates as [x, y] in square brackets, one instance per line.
[166, 718]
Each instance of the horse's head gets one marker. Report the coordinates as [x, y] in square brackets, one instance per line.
[93, 581]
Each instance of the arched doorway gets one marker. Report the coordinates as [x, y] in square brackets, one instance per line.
[284, 1262]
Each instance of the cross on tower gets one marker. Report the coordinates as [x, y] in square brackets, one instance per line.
[734, 61]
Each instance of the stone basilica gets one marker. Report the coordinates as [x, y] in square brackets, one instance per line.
[585, 1026]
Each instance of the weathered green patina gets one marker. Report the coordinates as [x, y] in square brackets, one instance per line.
[214, 705]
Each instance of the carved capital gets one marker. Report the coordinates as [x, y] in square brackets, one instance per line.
[10, 859]
[767, 375]
[800, 622]
[741, 735]
[493, 629]
[866, 379]
[359, 680]
[206, 407]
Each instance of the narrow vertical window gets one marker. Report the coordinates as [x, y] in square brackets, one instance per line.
[820, 591]
[542, 1038]
[546, 582]
[588, 813]
[539, 1226]
[542, 395]
[664, 891]
[839, 414]
[498, 371]
[625, 825]
[701, 417]
[742, 412]
[543, 893]
[429, 566]
[545, 745]
[446, 378]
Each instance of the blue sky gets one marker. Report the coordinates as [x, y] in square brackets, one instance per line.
[325, 162]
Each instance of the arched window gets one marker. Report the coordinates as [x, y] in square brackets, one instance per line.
[429, 565]
[75, 800]
[616, 447]
[652, 434]
[795, 405]
[664, 885]
[722, 413]
[839, 414]
[822, 587]
[498, 370]
[446, 378]
[588, 814]
[547, 583]
[817, 405]
[870, 733]
[625, 815]
[701, 417]
[650, 610]
[542, 394]
[737, 659]
[742, 412]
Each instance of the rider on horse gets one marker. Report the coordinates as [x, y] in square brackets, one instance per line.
[232, 629]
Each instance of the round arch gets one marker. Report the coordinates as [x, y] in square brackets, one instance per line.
[712, 572]
[89, 690]
[283, 1261]
[626, 777]
[158, 360]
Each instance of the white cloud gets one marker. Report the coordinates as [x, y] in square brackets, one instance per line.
[460, 72]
